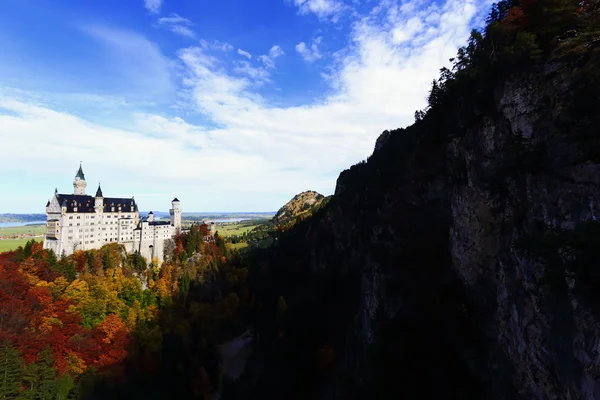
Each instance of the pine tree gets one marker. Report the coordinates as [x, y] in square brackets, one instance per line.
[63, 386]
[46, 374]
[30, 377]
[11, 371]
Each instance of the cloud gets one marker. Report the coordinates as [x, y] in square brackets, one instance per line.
[153, 5]
[183, 31]
[248, 153]
[178, 24]
[269, 60]
[323, 9]
[258, 75]
[275, 52]
[174, 19]
[215, 45]
[244, 53]
[309, 54]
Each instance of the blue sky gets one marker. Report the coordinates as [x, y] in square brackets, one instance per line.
[228, 105]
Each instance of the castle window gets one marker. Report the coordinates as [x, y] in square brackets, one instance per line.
[71, 217]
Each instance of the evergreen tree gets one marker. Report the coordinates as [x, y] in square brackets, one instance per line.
[66, 268]
[11, 371]
[63, 387]
[46, 375]
[51, 258]
[27, 250]
[32, 385]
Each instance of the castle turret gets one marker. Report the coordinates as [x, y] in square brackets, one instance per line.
[175, 214]
[150, 216]
[79, 183]
[99, 200]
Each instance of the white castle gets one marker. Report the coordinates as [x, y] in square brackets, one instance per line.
[81, 222]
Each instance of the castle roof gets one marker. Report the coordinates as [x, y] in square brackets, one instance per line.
[99, 192]
[80, 174]
[85, 203]
[159, 223]
[175, 199]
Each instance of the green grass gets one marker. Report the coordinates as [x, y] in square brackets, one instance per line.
[238, 246]
[12, 244]
[16, 230]
[235, 228]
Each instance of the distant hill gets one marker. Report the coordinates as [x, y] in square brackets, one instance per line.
[303, 204]
[22, 217]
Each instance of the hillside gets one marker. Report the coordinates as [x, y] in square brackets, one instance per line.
[22, 217]
[303, 204]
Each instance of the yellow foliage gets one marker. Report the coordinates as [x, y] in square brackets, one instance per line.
[57, 287]
[75, 365]
[78, 291]
[28, 269]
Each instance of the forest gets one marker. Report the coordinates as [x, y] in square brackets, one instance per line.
[68, 325]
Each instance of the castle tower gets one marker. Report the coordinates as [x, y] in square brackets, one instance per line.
[175, 214]
[98, 200]
[150, 216]
[79, 183]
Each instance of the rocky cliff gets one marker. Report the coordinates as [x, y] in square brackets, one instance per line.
[459, 260]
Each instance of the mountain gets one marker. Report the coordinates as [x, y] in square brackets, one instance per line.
[302, 205]
[22, 217]
[460, 260]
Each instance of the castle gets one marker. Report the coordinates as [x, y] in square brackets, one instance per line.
[81, 222]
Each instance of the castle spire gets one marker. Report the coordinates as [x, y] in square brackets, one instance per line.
[79, 183]
[80, 173]
[99, 191]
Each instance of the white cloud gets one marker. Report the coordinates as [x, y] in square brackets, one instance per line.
[178, 24]
[244, 53]
[183, 31]
[309, 54]
[174, 19]
[269, 60]
[215, 45]
[321, 8]
[153, 5]
[257, 74]
[252, 155]
[275, 52]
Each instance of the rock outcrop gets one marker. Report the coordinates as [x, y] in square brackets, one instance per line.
[302, 203]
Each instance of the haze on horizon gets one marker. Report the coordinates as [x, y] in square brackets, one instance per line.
[226, 105]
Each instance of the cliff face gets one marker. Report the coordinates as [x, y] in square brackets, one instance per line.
[462, 261]
[546, 330]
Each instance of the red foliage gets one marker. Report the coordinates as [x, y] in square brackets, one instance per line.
[80, 259]
[31, 319]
